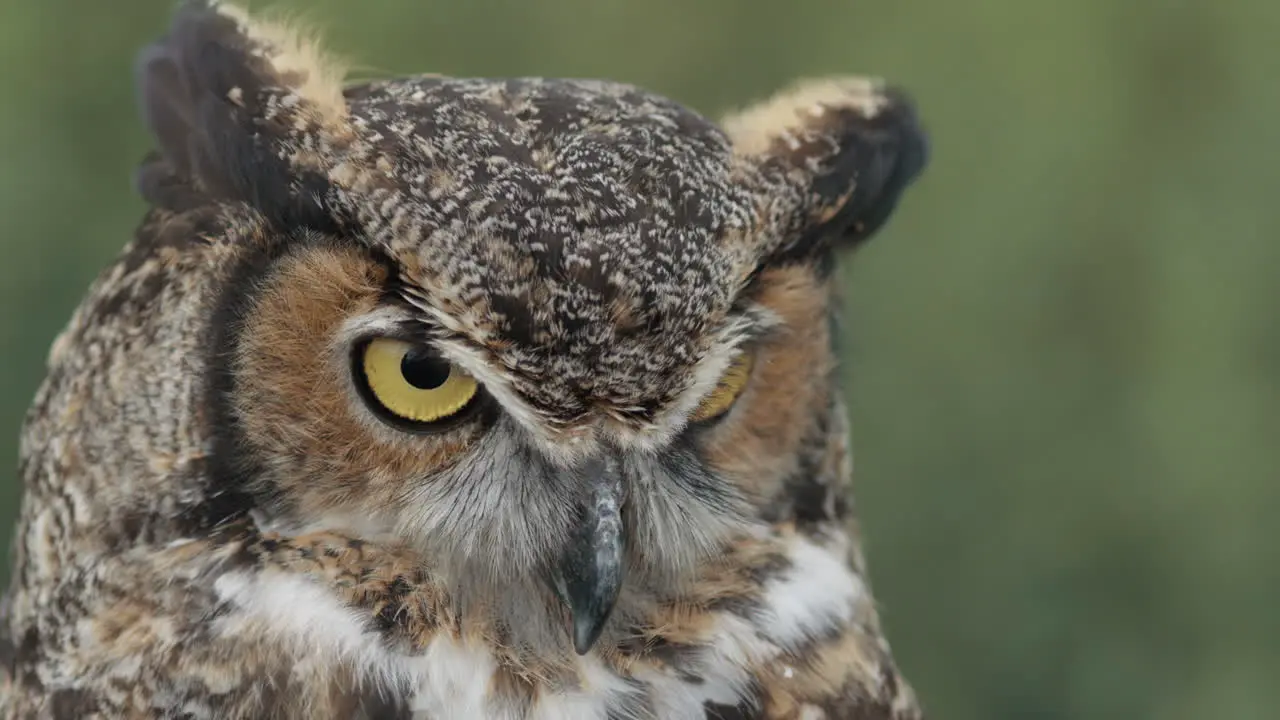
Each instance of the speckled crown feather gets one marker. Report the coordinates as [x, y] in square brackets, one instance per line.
[538, 220]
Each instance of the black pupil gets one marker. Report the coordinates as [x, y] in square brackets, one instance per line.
[423, 369]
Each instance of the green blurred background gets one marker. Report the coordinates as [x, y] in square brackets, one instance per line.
[1065, 363]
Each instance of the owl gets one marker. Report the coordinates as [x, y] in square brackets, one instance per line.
[458, 399]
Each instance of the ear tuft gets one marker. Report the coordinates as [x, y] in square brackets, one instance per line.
[836, 155]
[296, 57]
[229, 100]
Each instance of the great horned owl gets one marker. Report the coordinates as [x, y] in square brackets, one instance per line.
[454, 399]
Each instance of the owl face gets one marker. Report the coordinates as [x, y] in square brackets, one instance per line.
[564, 337]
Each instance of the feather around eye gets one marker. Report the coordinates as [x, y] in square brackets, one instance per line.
[412, 384]
[726, 391]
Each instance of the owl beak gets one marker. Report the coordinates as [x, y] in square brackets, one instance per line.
[589, 576]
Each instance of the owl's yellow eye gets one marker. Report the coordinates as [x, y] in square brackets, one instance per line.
[719, 400]
[412, 383]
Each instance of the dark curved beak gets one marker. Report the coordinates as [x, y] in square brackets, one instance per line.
[590, 573]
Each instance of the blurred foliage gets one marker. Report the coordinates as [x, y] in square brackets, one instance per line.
[1064, 360]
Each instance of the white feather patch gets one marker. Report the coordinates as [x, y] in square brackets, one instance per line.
[305, 617]
[449, 679]
[818, 591]
[601, 692]
[735, 645]
[454, 678]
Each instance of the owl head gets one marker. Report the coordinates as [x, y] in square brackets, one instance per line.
[565, 337]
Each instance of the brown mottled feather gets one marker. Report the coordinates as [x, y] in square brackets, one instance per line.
[216, 524]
